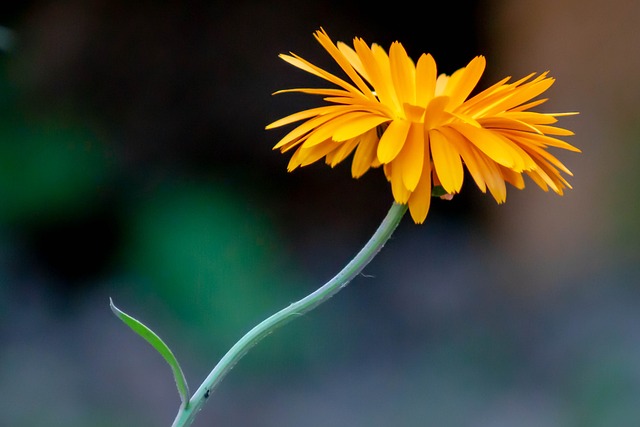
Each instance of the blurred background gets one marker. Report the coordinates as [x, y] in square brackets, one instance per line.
[134, 164]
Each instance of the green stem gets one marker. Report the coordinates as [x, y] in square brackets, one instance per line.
[187, 412]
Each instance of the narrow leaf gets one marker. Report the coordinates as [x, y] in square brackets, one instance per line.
[160, 347]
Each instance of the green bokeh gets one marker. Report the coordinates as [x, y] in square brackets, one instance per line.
[48, 167]
[211, 257]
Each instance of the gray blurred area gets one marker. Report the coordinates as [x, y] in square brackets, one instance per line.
[134, 165]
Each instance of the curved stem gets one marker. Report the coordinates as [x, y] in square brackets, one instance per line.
[187, 412]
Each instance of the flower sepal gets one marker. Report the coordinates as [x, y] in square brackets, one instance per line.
[439, 191]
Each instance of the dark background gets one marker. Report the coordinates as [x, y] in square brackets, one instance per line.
[134, 164]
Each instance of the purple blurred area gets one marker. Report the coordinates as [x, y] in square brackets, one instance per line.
[134, 164]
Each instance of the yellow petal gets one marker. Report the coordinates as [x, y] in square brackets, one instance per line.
[553, 130]
[493, 178]
[530, 105]
[376, 63]
[305, 156]
[530, 117]
[489, 143]
[466, 119]
[420, 199]
[399, 191]
[343, 61]
[514, 178]
[521, 94]
[305, 65]
[329, 128]
[425, 79]
[341, 153]
[550, 176]
[470, 156]
[522, 160]
[365, 154]
[387, 87]
[358, 126]
[403, 74]
[353, 59]
[540, 140]
[501, 123]
[535, 176]
[306, 127]
[484, 100]
[301, 115]
[316, 91]
[393, 140]
[463, 81]
[410, 159]
[536, 150]
[434, 112]
[446, 161]
[414, 113]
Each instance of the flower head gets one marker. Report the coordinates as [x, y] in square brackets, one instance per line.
[424, 129]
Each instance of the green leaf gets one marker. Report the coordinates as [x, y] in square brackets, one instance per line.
[160, 347]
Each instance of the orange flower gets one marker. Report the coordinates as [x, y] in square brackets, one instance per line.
[422, 127]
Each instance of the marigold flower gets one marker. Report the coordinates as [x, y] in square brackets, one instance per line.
[422, 127]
